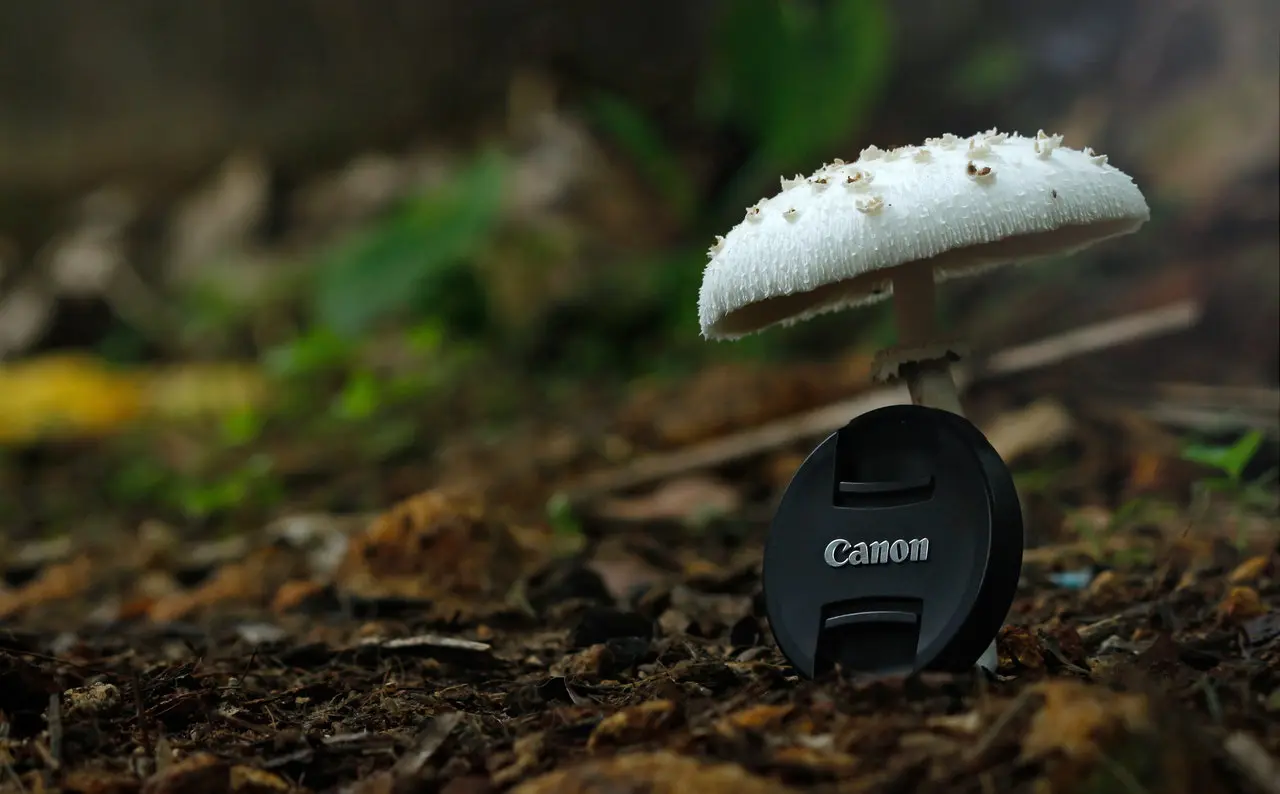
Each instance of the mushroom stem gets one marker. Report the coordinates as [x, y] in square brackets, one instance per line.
[930, 384]
[915, 307]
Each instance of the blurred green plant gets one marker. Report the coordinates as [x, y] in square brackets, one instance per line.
[1232, 461]
[1043, 478]
[1131, 514]
[419, 255]
[317, 351]
[327, 391]
[797, 76]
[561, 516]
[657, 162]
[248, 486]
[243, 427]
[253, 483]
[990, 70]
[794, 77]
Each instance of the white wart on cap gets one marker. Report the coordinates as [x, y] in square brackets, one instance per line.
[832, 240]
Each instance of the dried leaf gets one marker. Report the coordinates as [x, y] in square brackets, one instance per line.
[815, 761]
[528, 754]
[1105, 589]
[250, 780]
[754, 719]
[652, 773]
[1076, 720]
[1250, 570]
[1241, 604]
[250, 581]
[634, 724]
[199, 774]
[55, 583]
[1019, 648]
[92, 781]
[437, 543]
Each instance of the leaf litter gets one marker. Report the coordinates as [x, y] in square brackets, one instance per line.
[455, 644]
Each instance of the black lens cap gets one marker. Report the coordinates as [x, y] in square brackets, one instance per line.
[897, 547]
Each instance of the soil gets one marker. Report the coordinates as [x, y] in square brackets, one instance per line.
[442, 647]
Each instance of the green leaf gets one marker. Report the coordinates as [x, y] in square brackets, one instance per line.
[798, 75]
[992, 69]
[801, 74]
[384, 269]
[242, 427]
[561, 516]
[752, 46]
[318, 350]
[637, 136]
[1231, 460]
[1241, 453]
[359, 398]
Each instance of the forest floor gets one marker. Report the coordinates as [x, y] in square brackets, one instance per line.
[446, 645]
[576, 609]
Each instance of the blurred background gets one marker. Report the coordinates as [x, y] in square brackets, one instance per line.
[319, 255]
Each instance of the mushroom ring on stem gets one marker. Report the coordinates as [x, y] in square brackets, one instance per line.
[895, 222]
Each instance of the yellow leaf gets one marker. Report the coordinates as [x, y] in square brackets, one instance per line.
[194, 390]
[65, 395]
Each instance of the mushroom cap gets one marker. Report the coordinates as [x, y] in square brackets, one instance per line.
[830, 241]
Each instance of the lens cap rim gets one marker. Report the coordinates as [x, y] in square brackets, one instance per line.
[989, 603]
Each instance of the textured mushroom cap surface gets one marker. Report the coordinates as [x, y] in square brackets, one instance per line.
[962, 205]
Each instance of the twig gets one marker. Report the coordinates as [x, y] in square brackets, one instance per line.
[142, 714]
[1096, 631]
[1216, 409]
[1254, 761]
[734, 447]
[13, 775]
[827, 419]
[1100, 336]
[1201, 407]
[56, 659]
[409, 766]
[1122, 775]
[236, 722]
[5, 762]
[993, 732]
[55, 731]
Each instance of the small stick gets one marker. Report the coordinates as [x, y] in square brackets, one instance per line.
[1254, 760]
[1122, 775]
[1112, 333]
[5, 763]
[142, 714]
[243, 725]
[829, 418]
[993, 732]
[55, 731]
[1096, 631]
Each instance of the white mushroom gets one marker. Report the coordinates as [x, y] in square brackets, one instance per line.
[939, 214]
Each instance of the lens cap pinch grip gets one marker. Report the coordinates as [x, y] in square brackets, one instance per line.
[897, 547]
